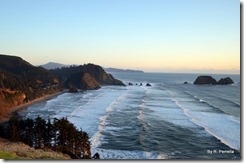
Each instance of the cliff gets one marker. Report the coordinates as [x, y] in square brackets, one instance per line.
[21, 82]
[82, 81]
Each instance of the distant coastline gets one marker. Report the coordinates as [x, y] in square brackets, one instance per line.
[109, 70]
[54, 65]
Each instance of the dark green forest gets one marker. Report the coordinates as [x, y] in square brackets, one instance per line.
[59, 135]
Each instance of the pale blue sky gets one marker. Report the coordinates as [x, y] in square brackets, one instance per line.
[152, 35]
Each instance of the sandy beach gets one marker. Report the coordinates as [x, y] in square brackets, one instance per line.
[23, 106]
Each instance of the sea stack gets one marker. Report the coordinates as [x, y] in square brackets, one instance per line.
[148, 85]
[225, 81]
[205, 80]
[210, 80]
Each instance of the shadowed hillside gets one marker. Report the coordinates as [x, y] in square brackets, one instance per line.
[87, 76]
[21, 82]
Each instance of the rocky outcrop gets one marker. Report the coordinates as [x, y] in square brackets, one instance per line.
[148, 85]
[225, 81]
[210, 80]
[205, 80]
[89, 82]
[88, 76]
[108, 79]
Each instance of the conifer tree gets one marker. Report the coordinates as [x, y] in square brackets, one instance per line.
[14, 129]
[29, 127]
[2, 131]
[49, 133]
[26, 131]
[39, 128]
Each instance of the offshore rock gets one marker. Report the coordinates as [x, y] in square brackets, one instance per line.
[225, 81]
[148, 85]
[205, 80]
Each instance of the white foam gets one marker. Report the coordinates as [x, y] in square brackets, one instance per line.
[224, 127]
[164, 108]
[200, 100]
[125, 154]
[219, 125]
[92, 116]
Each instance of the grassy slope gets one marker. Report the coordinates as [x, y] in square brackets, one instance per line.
[16, 150]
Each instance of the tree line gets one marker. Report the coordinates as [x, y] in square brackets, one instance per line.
[59, 135]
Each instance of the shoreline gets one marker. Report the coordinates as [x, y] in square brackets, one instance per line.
[28, 104]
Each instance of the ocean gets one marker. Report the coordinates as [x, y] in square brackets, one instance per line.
[167, 120]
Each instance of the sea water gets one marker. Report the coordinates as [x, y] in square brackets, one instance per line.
[167, 120]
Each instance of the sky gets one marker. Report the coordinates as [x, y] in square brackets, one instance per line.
[199, 36]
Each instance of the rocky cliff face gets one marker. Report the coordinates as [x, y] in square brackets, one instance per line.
[81, 80]
[100, 75]
[10, 99]
[89, 82]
